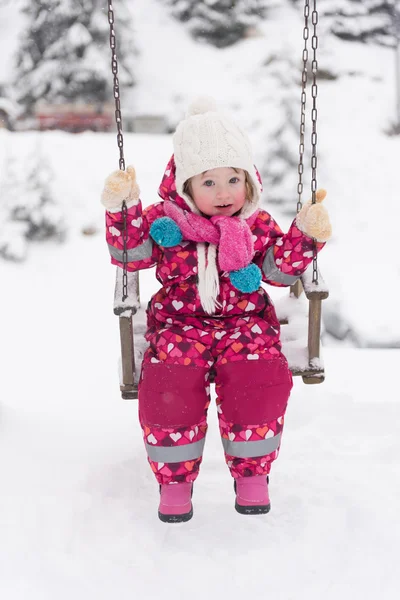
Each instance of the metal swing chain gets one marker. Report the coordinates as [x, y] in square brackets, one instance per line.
[120, 142]
[306, 33]
[314, 92]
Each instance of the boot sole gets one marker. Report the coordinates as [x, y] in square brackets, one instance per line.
[175, 518]
[252, 510]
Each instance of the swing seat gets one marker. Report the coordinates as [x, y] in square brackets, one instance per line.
[300, 340]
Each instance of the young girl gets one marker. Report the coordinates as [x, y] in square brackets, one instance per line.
[212, 247]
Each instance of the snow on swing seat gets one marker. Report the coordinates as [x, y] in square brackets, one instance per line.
[298, 313]
[292, 313]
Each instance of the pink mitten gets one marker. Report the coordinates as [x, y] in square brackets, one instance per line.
[313, 219]
[120, 186]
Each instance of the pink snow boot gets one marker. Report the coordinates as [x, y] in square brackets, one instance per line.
[175, 502]
[252, 496]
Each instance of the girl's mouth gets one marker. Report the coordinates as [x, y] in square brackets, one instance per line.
[223, 205]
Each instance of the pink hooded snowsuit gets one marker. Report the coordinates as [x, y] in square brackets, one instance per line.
[239, 345]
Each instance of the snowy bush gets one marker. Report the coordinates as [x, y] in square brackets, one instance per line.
[64, 55]
[219, 22]
[358, 20]
[28, 210]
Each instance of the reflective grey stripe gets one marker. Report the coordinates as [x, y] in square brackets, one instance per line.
[168, 454]
[139, 253]
[272, 272]
[251, 449]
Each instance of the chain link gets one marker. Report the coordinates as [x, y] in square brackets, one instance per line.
[120, 142]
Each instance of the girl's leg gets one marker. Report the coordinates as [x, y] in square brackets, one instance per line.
[173, 403]
[253, 384]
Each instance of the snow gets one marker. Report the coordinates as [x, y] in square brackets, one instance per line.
[78, 506]
[78, 502]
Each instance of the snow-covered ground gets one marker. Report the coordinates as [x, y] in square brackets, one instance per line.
[78, 502]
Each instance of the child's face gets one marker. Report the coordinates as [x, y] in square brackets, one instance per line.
[220, 191]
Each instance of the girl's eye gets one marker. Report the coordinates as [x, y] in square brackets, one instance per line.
[234, 180]
[208, 183]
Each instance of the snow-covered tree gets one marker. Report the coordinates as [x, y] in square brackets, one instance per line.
[13, 242]
[279, 168]
[275, 129]
[64, 54]
[219, 22]
[29, 210]
[358, 20]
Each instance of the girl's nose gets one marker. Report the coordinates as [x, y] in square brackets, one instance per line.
[222, 193]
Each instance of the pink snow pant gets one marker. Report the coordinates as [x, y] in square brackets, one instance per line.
[253, 384]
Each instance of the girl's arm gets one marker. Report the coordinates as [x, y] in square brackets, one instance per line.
[282, 258]
[142, 252]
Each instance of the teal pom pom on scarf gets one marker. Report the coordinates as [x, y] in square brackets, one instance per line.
[247, 279]
[166, 232]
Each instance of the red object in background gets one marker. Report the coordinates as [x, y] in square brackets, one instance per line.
[74, 122]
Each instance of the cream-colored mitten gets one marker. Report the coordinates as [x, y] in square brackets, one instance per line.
[313, 219]
[120, 186]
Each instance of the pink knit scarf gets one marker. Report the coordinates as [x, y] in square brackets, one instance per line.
[232, 235]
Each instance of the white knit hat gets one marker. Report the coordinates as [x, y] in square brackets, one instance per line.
[207, 139]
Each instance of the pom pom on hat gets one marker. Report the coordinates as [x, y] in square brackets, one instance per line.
[166, 232]
[247, 279]
[201, 105]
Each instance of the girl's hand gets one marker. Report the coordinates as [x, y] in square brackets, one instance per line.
[313, 219]
[120, 186]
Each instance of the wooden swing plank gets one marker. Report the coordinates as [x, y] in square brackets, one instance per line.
[131, 304]
[314, 327]
[311, 289]
[315, 293]
[127, 354]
